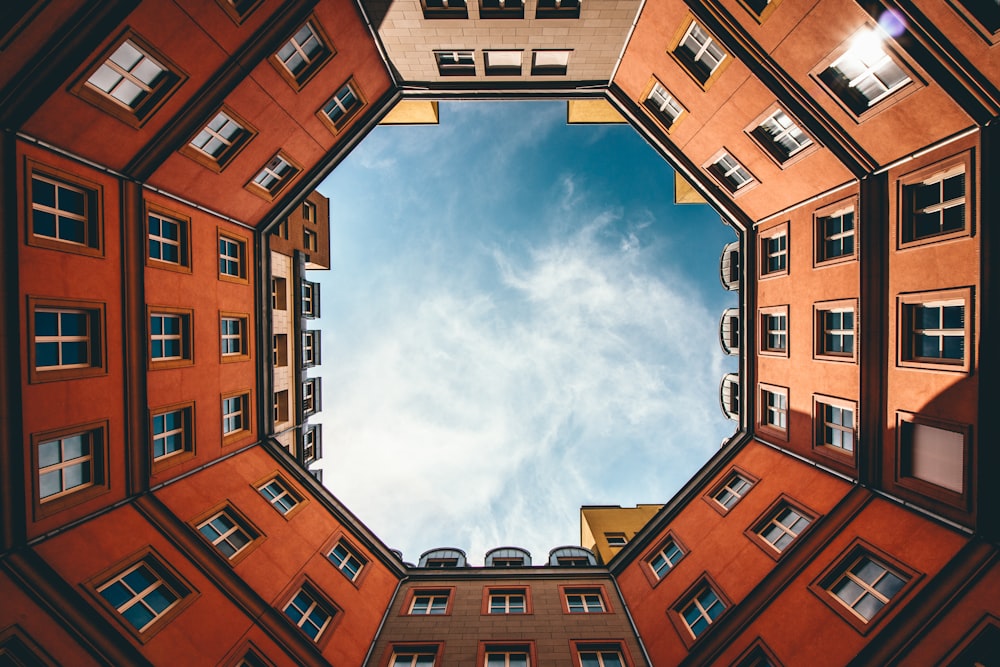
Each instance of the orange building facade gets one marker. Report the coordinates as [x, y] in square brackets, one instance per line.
[158, 164]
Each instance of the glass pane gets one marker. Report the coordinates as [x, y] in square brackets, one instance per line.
[75, 353]
[117, 594]
[74, 324]
[49, 483]
[889, 585]
[868, 606]
[44, 223]
[48, 453]
[138, 616]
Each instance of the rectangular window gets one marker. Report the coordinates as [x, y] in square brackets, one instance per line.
[346, 559]
[557, 9]
[782, 527]
[699, 53]
[865, 585]
[309, 240]
[835, 234]
[232, 258]
[310, 348]
[665, 558]
[934, 329]
[170, 338]
[67, 339]
[310, 396]
[732, 491]
[276, 492]
[730, 173]
[601, 655]
[700, 610]
[507, 656]
[774, 407]
[865, 74]
[429, 603]
[279, 352]
[444, 9]
[131, 82]
[549, 63]
[69, 462]
[142, 595]
[173, 433]
[616, 539]
[235, 415]
[218, 142]
[169, 245]
[933, 452]
[781, 137]
[233, 334]
[279, 297]
[344, 104]
[413, 656]
[227, 533]
[835, 331]
[584, 601]
[835, 426]
[65, 213]
[508, 601]
[311, 443]
[663, 105]
[280, 406]
[934, 204]
[456, 63]
[774, 331]
[774, 251]
[310, 612]
[303, 55]
[503, 63]
[501, 9]
[274, 176]
[310, 299]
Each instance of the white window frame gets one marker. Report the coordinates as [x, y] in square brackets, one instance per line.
[164, 241]
[774, 130]
[138, 597]
[502, 602]
[279, 496]
[429, 603]
[846, 575]
[166, 438]
[298, 48]
[225, 536]
[61, 339]
[667, 556]
[84, 461]
[166, 338]
[346, 559]
[141, 75]
[785, 522]
[700, 604]
[663, 103]
[306, 608]
[698, 43]
[61, 213]
[232, 343]
[732, 491]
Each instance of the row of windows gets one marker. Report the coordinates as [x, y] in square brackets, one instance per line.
[933, 330]
[501, 9]
[517, 600]
[308, 297]
[511, 655]
[544, 62]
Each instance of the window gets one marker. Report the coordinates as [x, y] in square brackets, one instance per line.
[699, 610]
[67, 337]
[235, 415]
[310, 299]
[429, 603]
[310, 612]
[774, 331]
[835, 234]
[507, 656]
[933, 456]
[865, 585]
[232, 258]
[441, 562]
[279, 297]
[65, 212]
[835, 330]
[508, 601]
[601, 656]
[501, 9]
[549, 63]
[413, 656]
[218, 142]
[70, 464]
[310, 348]
[303, 55]
[934, 329]
[279, 351]
[781, 137]
[665, 558]
[281, 229]
[233, 331]
[170, 338]
[173, 433]
[984, 16]
[616, 539]
[663, 105]
[502, 63]
[835, 424]
[774, 408]
[131, 82]
[757, 655]
[238, 10]
[344, 104]
[279, 408]
[228, 533]
[456, 63]
[276, 174]
[699, 53]
[584, 601]
[276, 492]
[444, 9]
[865, 74]
[144, 595]
[310, 396]
[311, 443]
[309, 240]
[933, 203]
[347, 560]
[732, 490]
[774, 251]
[168, 243]
[760, 9]
[557, 9]
[782, 526]
[730, 173]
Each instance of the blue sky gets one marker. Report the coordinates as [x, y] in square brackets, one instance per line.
[517, 322]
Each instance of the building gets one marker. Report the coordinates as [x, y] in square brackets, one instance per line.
[156, 505]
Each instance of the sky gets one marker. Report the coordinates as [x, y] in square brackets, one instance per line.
[517, 322]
